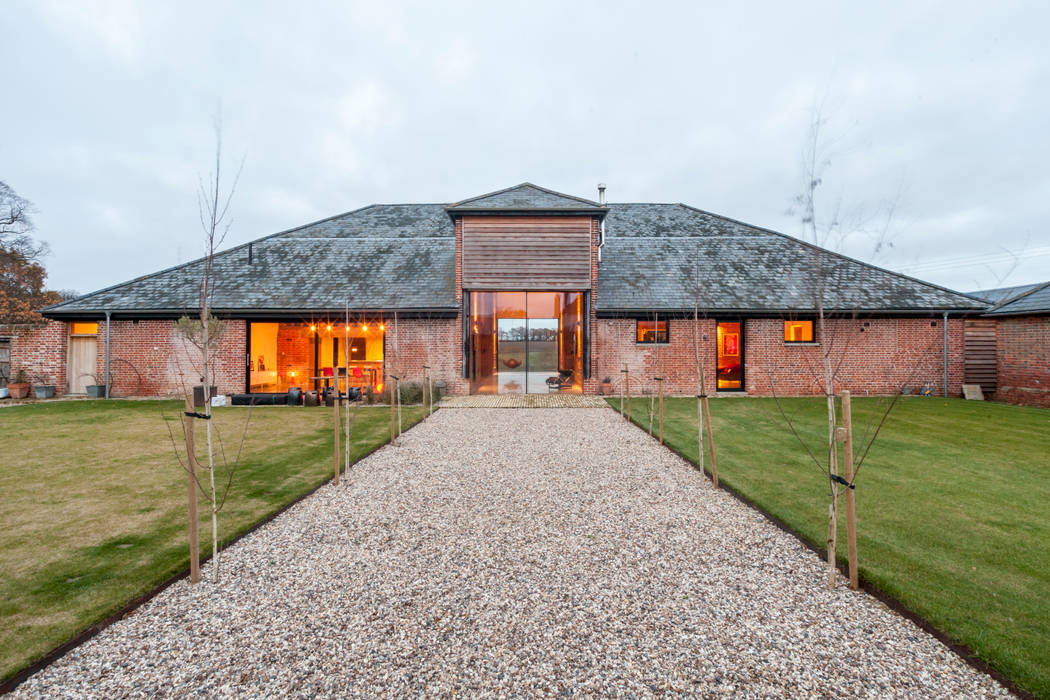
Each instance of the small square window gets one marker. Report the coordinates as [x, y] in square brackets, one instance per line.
[798, 331]
[652, 332]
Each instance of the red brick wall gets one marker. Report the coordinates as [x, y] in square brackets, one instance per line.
[149, 358]
[887, 354]
[675, 361]
[41, 350]
[409, 344]
[1023, 346]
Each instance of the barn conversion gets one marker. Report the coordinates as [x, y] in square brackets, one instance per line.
[522, 290]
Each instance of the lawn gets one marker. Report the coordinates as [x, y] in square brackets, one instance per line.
[953, 507]
[94, 506]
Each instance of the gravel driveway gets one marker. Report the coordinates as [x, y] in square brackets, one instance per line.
[524, 552]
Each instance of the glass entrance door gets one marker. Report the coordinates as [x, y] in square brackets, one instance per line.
[541, 354]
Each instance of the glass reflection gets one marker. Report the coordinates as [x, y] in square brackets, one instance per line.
[526, 342]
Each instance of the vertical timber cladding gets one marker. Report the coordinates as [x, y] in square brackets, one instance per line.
[527, 252]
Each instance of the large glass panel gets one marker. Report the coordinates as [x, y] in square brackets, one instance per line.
[730, 357]
[542, 358]
[512, 367]
[311, 355]
[519, 340]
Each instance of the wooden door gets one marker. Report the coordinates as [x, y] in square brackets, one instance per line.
[82, 357]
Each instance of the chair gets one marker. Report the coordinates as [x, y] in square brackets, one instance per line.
[560, 383]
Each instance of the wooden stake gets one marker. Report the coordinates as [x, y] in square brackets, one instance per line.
[661, 380]
[424, 394]
[393, 408]
[191, 466]
[338, 427]
[627, 388]
[710, 441]
[851, 514]
[430, 392]
[623, 371]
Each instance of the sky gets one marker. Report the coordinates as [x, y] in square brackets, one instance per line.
[934, 136]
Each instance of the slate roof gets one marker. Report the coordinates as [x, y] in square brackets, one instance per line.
[1033, 300]
[651, 250]
[378, 257]
[402, 256]
[526, 197]
[1001, 294]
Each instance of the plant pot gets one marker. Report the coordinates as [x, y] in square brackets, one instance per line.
[18, 391]
[606, 389]
[44, 391]
[198, 394]
[96, 391]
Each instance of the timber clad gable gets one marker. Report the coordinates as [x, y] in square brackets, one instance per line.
[527, 252]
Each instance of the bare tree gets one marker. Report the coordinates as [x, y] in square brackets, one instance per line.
[703, 411]
[827, 228]
[205, 332]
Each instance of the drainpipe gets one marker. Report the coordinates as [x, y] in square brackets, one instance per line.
[107, 355]
[601, 235]
[945, 354]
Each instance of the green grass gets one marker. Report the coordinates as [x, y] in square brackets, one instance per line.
[94, 506]
[953, 507]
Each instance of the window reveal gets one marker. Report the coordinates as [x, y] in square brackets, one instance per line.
[652, 332]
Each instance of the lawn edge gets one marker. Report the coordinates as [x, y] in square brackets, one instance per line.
[963, 651]
[9, 684]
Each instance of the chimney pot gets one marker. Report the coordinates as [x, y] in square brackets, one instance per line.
[601, 193]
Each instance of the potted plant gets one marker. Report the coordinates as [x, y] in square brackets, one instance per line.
[42, 386]
[19, 388]
[606, 389]
[98, 389]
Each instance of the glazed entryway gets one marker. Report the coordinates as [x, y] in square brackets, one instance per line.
[526, 342]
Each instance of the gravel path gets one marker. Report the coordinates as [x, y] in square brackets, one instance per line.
[524, 552]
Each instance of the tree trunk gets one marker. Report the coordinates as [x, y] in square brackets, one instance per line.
[191, 467]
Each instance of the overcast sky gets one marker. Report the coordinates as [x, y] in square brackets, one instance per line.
[942, 107]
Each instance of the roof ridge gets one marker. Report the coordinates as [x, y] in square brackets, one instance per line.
[519, 186]
[836, 254]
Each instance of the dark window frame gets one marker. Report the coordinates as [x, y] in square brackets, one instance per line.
[656, 341]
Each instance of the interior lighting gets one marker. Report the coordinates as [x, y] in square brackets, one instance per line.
[364, 327]
[329, 328]
[313, 328]
[382, 327]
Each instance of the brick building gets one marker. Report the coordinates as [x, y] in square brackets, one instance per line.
[1017, 339]
[520, 290]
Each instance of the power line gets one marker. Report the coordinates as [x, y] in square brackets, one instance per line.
[974, 260]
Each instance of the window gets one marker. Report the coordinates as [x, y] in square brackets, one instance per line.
[652, 332]
[83, 329]
[798, 331]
